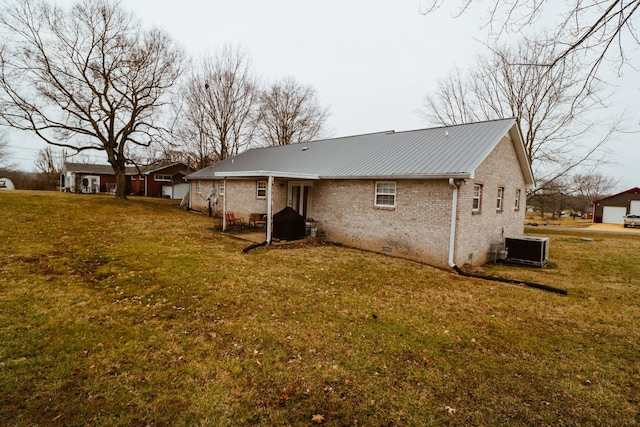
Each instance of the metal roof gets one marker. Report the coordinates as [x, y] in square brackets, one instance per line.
[443, 152]
[88, 168]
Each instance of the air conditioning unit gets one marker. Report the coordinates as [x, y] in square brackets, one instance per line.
[527, 250]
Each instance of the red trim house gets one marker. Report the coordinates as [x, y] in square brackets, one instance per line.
[155, 180]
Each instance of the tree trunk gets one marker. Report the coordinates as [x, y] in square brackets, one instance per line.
[121, 182]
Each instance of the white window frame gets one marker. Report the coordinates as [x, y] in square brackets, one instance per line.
[261, 187]
[199, 187]
[162, 178]
[517, 202]
[500, 199]
[476, 196]
[221, 186]
[385, 189]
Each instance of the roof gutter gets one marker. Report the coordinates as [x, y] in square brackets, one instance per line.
[291, 175]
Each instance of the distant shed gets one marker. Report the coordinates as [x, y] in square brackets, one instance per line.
[6, 184]
[612, 209]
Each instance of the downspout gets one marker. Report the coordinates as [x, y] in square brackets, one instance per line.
[452, 232]
[269, 209]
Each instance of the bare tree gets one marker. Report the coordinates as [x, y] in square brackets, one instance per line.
[85, 78]
[217, 119]
[560, 129]
[592, 186]
[190, 136]
[4, 152]
[596, 28]
[290, 113]
[49, 161]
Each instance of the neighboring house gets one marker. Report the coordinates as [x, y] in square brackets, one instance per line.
[612, 209]
[441, 196]
[165, 180]
[89, 178]
[6, 184]
[155, 180]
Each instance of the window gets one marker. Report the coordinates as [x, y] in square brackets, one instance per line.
[517, 204]
[261, 191]
[221, 188]
[500, 199]
[477, 198]
[162, 177]
[199, 187]
[385, 194]
[133, 177]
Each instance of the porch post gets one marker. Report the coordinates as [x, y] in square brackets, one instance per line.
[269, 209]
[224, 206]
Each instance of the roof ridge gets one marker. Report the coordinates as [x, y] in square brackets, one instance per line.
[457, 125]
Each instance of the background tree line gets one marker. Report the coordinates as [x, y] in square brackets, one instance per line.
[91, 78]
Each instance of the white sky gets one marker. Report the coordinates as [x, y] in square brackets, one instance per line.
[370, 61]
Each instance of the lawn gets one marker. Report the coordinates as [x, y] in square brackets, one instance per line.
[137, 313]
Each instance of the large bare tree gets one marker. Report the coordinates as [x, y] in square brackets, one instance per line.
[85, 78]
[594, 28]
[217, 118]
[290, 113]
[558, 119]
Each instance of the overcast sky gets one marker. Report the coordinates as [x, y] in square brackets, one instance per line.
[371, 61]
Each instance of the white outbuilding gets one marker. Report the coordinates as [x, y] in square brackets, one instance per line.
[6, 184]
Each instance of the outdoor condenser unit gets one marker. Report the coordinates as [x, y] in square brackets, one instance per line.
[527, 250]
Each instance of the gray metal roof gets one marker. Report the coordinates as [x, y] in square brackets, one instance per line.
[88, 168]
[443, 152]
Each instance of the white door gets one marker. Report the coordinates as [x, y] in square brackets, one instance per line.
[613, 214]
[634, 208]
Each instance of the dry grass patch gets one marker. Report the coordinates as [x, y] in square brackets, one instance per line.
[116, 313]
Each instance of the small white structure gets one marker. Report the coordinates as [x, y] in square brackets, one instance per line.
[6, 184]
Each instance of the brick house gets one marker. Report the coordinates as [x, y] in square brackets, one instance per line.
[155, 180]
[441, 196]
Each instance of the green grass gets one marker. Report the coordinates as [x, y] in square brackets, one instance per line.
[136, 313]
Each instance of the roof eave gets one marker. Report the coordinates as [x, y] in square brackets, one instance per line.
[456, 175]
[253, 174]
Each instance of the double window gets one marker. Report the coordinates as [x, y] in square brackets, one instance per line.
[385, 194]
[162, 177]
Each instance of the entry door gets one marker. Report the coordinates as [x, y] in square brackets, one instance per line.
[300, 197]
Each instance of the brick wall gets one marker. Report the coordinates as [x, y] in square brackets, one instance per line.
[417, 228]
[476, 232]
[241, 197]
